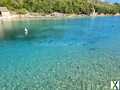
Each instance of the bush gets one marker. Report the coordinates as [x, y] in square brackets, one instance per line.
[21, 11]
[106, 9]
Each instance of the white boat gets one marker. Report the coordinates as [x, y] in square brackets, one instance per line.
[26, 31]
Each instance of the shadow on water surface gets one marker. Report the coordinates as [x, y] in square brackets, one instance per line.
[16, 31]
[59, 29]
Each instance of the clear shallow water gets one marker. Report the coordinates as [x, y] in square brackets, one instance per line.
[65, 54]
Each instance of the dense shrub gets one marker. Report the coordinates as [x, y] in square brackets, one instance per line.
[21, 11]
[106, 9]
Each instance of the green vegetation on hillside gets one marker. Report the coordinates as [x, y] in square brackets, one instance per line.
[62, 6]
[107, 8]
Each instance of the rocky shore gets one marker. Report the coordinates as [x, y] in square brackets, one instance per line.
[52, 15]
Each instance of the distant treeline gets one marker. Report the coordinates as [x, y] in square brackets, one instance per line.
[62, 6]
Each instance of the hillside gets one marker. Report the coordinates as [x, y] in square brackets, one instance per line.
[61, 6]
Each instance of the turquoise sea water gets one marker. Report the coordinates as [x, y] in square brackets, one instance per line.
[60, 54]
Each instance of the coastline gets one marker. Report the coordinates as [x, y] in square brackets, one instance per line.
[49, 16]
